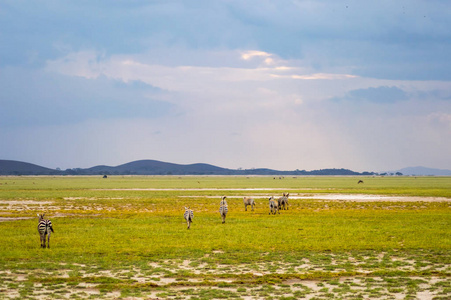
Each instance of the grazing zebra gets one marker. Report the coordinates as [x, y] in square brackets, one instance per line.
[283, 201]
[44, 228]
[248, 201]
[189, 215]
[223, 209]
[273, 206]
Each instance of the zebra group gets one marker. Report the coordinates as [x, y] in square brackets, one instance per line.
[274, 207]
[45, 227]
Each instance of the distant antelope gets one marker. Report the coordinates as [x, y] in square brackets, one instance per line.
[188, 215]
[248, 201]
[273, 206]
[223, 209]
[45, 228]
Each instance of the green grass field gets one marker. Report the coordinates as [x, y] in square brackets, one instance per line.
[126, 237]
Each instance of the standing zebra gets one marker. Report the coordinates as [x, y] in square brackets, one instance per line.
[248, 201]
[273, 206]
[44, 228]
[189, 215]
[223, 209]
[283, 201]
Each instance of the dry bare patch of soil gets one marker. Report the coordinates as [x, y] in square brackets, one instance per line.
[329, 276]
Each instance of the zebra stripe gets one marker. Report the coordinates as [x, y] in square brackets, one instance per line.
[273, 206]
[283, 202]
[223, 209]
[45, 228]
[188, 215]
[286, 200]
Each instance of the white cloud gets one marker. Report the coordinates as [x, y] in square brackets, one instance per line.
[275, 115]
[252, 53]
[317, 76]
[185, 77]
[440, 120]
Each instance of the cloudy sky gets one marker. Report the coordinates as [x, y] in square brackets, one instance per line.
[363, 85]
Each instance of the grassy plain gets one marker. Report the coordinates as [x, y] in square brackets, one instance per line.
[125, 237]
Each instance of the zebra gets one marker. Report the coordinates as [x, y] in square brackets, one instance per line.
[273, 206]
[223, 209]
[283, 201]
[189, 215]
[44, 228]
[248, 201]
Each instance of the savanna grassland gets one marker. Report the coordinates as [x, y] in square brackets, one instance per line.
[125, 237]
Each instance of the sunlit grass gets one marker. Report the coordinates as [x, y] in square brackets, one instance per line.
[130, 234]
[125, 223]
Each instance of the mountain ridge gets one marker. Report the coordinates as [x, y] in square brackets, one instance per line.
[155, 167]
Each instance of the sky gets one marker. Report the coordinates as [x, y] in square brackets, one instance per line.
[282, 84]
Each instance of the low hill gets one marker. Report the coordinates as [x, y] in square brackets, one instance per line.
[422, 171]
[154, 167]
[12, 167]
